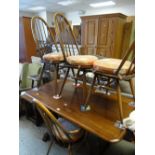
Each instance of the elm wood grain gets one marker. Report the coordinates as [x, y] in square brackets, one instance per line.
[99, 121]
[102, 34]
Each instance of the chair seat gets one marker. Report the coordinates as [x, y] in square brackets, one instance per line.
[82, 60]
[53, 57]
[75, 131]
[110, 66]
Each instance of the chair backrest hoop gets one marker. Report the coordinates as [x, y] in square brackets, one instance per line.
[130, 53]
[65, 35]
[43, 36]
[51, 121]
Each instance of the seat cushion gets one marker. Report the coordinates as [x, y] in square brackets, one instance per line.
[53, 57]
[109, 65]
[82, 60]
[75, 131]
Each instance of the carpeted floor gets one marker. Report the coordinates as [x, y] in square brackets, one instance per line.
[30, 143]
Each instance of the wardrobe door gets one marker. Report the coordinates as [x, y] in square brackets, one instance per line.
[89, 35]
[29, 41]
[27, 47]
[102, 35]
[103, 40]
[110, 35]
[22, 48]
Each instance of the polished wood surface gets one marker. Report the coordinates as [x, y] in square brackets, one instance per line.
[27, 47]
[102, 34]
[99, 120]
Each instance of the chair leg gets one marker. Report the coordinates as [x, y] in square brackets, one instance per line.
[119, 98]
[41, 75]
[49, 148]
[90, 90]
[55, 80]
[32, 85]
[132, 88]
[46, 137]
[73, 72]
[64, 82]
[84, 86]
[76, 78]
[69, 150]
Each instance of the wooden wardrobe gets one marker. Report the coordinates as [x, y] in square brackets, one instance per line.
[102, 35]
[27, 47]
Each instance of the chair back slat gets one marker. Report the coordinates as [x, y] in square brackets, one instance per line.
[130, 55]
[132, 66]
[66, 36]
[51, 122]
[43, 36]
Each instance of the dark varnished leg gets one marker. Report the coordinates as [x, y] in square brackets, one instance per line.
[64, 81]
[55, 81]
[119, 99]
[85, 106]
[133, 93]
[69, 149]
[76, 78]
[49, 148]
[46, 137]
[84, 86]
[41, 75]
[132, 88]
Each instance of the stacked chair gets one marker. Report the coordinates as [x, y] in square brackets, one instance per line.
[72, 56]
[114, 70]
[47, 48]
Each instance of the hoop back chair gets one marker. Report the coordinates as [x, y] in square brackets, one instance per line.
[63, 131]
[115, 70]
[46, 46]
[71, 52]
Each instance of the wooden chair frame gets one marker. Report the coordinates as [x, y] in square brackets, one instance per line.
[68, 42]
[51, 122]
[44, 39]
[117, 77]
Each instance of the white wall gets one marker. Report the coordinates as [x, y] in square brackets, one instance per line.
[47, 16]
[43, 15]
[50, 19]
[76, 20]
[74, 17]
[27, 14]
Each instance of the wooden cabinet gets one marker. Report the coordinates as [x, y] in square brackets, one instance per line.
[102, 34]
[27, 47]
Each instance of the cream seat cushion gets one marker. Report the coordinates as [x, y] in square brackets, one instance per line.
[109, 65]
[53, 57]
[82, 60]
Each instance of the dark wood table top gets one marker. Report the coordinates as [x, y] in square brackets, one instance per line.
[99, 120]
